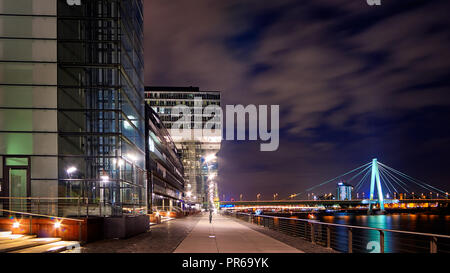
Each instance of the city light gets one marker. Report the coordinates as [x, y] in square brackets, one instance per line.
[57, 224]
[104, 178]
[132, 157]
[127, 125]
[16, 224]
[71, 170]
[211, 176]
[210, 157]
[119, 162]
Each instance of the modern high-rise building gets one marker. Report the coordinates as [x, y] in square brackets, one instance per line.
[166, 185]
[344, 191]
[198, 150]
[72, 107]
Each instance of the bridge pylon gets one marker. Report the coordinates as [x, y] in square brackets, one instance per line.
[375, 179]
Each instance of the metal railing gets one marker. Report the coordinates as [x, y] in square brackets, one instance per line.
[168, 208]
[349, 238]
[67, 206]
[28, 217]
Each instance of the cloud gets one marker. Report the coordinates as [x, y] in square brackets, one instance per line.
[352, 81]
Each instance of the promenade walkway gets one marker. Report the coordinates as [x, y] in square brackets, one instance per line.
[224, 235]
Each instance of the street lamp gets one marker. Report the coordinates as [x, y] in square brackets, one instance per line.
[211, 176]
[71, 170]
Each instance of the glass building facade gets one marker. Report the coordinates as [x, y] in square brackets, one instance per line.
[165, 182]
[72, 106]
[199, 173]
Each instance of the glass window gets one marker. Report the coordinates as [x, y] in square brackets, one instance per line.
[14, 161]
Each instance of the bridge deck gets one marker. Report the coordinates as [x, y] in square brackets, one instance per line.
[225, 235]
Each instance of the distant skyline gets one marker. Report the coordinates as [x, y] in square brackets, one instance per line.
[353, 82]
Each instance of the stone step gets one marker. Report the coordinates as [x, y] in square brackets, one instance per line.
[15, 238]
[55, 247]
[21, 244]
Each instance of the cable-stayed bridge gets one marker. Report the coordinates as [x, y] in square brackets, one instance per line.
[372, 185]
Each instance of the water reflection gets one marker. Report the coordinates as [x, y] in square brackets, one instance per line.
[394, 242]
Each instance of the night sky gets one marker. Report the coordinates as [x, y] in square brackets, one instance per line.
[353, 82]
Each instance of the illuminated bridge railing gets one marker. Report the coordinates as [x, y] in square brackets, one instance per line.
[352, 239]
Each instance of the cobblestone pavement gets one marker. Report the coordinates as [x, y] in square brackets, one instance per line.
[163, 238]
[296, 242]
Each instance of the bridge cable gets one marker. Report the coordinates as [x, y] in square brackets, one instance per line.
[357, 187]
[368, 167]
[386, 182]
[416, 181]
[393, 175]
[394, 179]
[331, 180]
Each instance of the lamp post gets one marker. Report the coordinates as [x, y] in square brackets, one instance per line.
[211, 176]
[70, 171]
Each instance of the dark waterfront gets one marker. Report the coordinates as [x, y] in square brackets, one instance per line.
[394, 242]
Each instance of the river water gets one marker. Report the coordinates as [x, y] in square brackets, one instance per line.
[425, 223]
[368, 240]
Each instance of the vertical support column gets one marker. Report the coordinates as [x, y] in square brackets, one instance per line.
[433, 245]
[372, 186]
[381, 241]
[31, 225]
[379, 189]
[350, 240]
[328, 236]
[79, 206]
[80, 236]
[312, 232]
[375, 178]
[87, 207]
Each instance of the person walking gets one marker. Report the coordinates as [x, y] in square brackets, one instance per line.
[210, 216]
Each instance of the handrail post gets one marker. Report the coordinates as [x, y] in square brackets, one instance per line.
[80, 237]
[79, 206]
[328, 236]
[306, 230]
[381, 241]
[433, 244]
[87, 207]
[312, 232]
[31, 225]
[350, 240]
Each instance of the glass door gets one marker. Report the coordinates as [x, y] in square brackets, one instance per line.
[18, 189]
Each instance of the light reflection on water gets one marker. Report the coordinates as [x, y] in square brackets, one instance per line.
[394, 242]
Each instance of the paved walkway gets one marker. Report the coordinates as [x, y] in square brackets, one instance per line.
[227, 236]
[163, 238]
